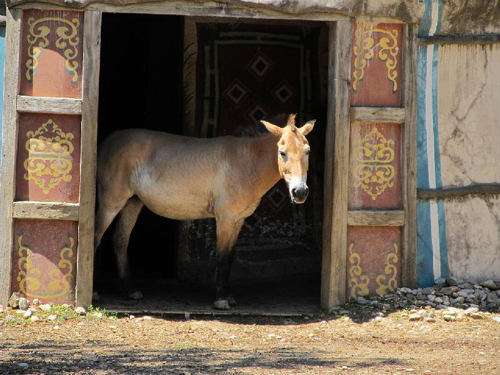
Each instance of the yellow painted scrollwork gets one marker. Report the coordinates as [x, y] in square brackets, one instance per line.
[29, 276]
[374, 155]
[358, 281]
[390, 271]
[67, 41]
[364, 51]
[49, 160]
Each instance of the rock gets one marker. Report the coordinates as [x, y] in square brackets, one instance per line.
[386, 307]
[449, 290]
[27, 314]
[465, 293]
[362, 301]
[493, 298]
[427, 291]
[471, 310]
[438, 300]
[466, 286]
[14, 300]
[34, 318]
[449, 318]
[45, 307]
[415, 317]
[430, 320]
[23, 365]
[457, 301]
[80, 310]
[36, 302]
[477, 316]
[52, 317]
[421, 297]
[441, 280]
[24, 304]
[431, 297]
[452, 281]
[496, 319]
[490, 284]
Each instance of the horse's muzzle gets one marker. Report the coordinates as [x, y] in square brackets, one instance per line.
[299, 194]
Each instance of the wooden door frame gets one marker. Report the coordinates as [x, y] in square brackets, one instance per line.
[337, 217]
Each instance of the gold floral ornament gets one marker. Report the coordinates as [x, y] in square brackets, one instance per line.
[391, 271]
[29, 276]
[374, 172]
[67, 41]
[358, 281]
[49, 161]
[364, 51]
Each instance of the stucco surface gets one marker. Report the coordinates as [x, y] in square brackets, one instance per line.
[469, 114]
[408, 11]
[470, 17]
[472, 233]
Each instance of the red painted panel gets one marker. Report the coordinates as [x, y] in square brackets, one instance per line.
[375, 166]
[373, 261]
[51, 59]
[48, 158]
[44, 260]
[377, 65]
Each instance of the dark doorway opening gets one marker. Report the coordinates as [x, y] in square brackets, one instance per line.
[143, 62]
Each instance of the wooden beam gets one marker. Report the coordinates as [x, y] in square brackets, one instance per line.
[90, 98]
[333, 273]
[378, 114]
[459, 191]
[45, 210]
[409, 176]
[9, 148]
[62, 106]
[483, 39]
[376, 218]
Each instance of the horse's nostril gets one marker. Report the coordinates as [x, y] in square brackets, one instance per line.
[294, 192]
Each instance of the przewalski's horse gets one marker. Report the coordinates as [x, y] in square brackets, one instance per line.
[187, 178]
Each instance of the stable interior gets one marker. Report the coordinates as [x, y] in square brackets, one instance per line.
[142, 86]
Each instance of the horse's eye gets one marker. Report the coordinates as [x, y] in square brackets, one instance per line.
[308, 151]
[283, 154]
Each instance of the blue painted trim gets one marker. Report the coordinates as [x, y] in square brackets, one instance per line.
[425, 24]
[443, 244]
[422, 161]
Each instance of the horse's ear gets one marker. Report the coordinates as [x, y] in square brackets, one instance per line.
[276, 130]
[308, 126]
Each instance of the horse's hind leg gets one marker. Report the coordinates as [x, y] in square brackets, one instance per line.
[227, 236]
[126, 222]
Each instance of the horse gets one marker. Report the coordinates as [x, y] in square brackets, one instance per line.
[185, 178]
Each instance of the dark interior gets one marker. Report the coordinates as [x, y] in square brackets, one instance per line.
[141, 87]
[140, 82]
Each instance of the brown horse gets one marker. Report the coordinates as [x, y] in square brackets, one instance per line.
[187, 178]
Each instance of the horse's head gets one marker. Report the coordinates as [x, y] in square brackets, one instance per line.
[293, 156]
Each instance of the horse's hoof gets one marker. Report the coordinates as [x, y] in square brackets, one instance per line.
[231, 300]
[136, 295]
[95, 296]
[221, 304]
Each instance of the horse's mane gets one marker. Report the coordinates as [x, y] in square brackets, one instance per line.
[259, 130]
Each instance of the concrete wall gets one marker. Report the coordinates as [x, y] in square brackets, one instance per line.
[458, 138]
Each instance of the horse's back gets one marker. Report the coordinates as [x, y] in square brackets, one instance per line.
[173, 175]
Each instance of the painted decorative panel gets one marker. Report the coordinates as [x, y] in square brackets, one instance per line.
[375, 166]
[377, 65]
[373, 261]
[44, 260]
[48, 158]
[51, 59]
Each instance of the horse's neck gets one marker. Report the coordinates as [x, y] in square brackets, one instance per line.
[264, 163]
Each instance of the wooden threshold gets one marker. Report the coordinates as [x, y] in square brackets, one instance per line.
[46, 211]
[376, 218]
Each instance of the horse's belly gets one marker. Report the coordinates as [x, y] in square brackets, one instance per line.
[176, 207]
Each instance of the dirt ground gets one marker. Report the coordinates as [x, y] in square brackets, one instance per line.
[353, 342]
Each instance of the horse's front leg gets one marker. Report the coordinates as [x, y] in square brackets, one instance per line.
[227, 236]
